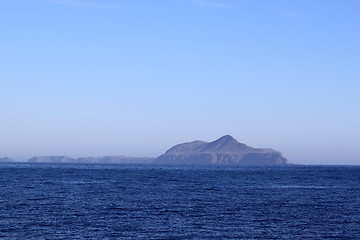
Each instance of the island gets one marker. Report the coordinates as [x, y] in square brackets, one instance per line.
[225, 150]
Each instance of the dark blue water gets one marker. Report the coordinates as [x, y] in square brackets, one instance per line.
[63, 201]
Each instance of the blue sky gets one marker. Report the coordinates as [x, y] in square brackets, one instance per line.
[111, 77]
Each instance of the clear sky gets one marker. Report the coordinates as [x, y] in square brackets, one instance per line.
[135, 77]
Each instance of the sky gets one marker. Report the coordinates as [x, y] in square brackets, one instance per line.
[121, 77]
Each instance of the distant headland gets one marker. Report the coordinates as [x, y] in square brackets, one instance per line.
[106, 159]
[6, 160]
[223, 151]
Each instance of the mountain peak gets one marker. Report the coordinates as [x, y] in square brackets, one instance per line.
[224, 144]
[227, 139]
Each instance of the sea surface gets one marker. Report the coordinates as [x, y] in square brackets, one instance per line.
[79, 201]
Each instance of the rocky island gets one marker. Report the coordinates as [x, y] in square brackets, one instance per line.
[225, 150]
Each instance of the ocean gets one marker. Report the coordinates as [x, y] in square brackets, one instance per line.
[91, 201]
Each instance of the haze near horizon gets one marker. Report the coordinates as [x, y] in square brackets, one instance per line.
[96, 78]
